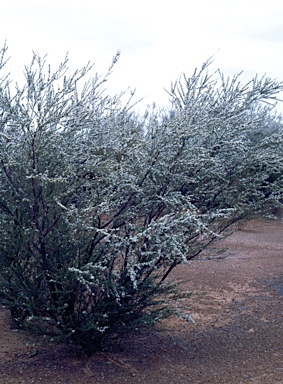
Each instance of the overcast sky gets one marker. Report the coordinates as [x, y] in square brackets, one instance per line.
[158, 39]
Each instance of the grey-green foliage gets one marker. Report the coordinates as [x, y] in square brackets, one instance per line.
[98, 205]
[238, 134]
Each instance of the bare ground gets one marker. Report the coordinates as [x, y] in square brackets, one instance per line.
[237, 337]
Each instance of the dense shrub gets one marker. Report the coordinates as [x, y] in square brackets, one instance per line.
[98, 204]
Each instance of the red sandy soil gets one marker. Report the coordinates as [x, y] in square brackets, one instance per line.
[237, 337]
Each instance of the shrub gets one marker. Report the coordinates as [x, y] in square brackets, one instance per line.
[98, 205]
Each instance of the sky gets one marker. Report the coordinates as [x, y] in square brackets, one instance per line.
[158, 39]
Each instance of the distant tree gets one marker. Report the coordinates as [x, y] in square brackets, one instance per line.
[98, 205]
